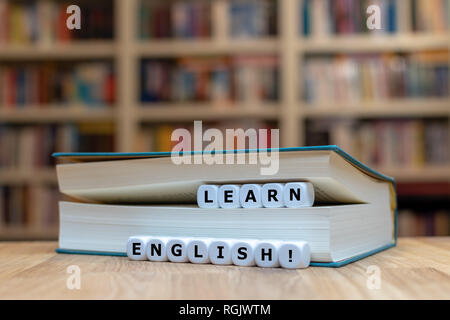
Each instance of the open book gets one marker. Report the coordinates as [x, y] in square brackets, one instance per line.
[146, 193]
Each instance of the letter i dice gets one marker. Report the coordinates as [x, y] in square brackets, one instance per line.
[220, 252]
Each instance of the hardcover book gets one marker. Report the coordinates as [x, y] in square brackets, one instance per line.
[119, 195]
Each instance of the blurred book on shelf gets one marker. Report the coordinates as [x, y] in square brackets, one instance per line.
[37, 84]
[386, 143]
[29, 206]
[212, 79]
[174, 19]
[191, 19]
[31, 146]
[253, 18]
[431, 15]
[256, 78]
[44, 21]
[94, 137]
[344, 17]
[185, 79]
[413, 223]
[376, 77]
[430, 189]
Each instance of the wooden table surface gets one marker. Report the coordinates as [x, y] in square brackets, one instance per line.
[416, 268]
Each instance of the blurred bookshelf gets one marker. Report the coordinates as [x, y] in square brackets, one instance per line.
[232, 63]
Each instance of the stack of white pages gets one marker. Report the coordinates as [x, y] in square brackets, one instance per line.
[119, 195]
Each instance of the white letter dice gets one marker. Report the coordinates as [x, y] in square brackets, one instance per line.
[207, 196]
[266, 254]
[269, 195]
[272, 195]
[250, 196]
[298, 194]
[229, 196]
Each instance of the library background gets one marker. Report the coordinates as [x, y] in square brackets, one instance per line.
[137, 69]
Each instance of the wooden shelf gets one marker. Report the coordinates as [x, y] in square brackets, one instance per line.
[381, 109]
[49, 114]
[425, 174]
[11, 233]
[28, 176]
[374, 43]
[205, 111]
[62, 51]
[161, 48]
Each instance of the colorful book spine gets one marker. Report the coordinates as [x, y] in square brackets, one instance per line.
[221, 79]
[418, 223]
[44, 21]
[31, 146]
[431, 16]
[386, 143]
[35, 85]
[174, 19]
[250, 18]
[355, 78]
[30, 206]
[343, 17]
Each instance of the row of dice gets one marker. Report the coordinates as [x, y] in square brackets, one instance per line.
[267, 254]
[269, 195]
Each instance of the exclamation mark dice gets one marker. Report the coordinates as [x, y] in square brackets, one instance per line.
[294, 255]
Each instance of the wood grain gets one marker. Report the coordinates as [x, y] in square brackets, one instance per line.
[418, 268]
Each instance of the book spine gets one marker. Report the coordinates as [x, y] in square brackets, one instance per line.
[420, 223]
[44, 21]
[327, 17]
[250, 18]
[389, 143]
[351, 78]
[29, 206]
[174, 19]
[38, 84]
[213, 79]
